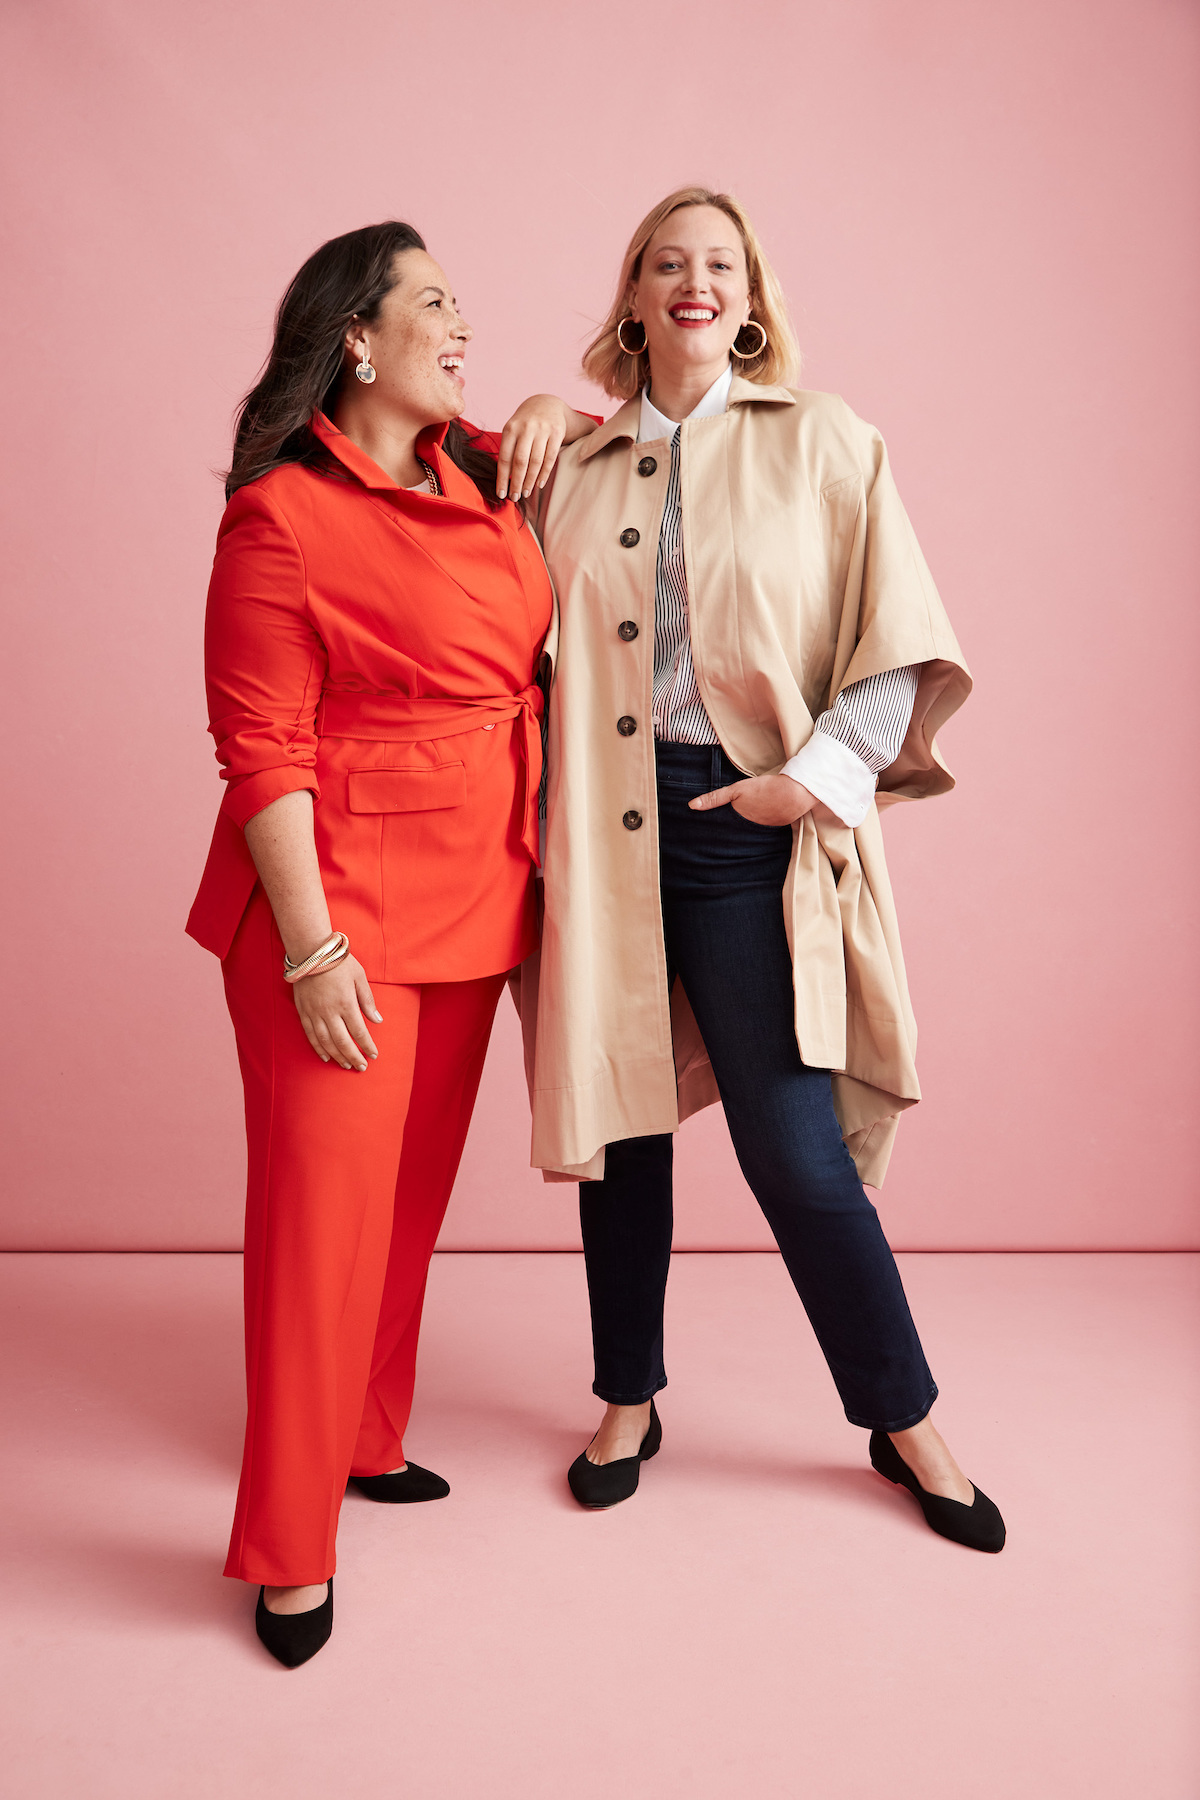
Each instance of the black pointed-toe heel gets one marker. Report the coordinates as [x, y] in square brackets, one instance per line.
[978, 1526]
[597, 1485]
[293, 1637]
[411, 1484]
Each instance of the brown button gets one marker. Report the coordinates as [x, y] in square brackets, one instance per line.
[632, 821]
[627, 726]
[627, 631]
[647, 466]
[630, 537]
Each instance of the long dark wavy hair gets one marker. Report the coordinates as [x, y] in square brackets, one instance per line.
[347, 278]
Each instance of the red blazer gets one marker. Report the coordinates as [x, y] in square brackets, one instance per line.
[378, 647]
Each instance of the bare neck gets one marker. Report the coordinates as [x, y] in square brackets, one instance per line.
[389, 438]
[678, 391]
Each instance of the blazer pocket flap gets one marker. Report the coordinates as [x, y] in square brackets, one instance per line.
[408, 790]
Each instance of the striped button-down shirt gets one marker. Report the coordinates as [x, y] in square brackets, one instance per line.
[852, 742]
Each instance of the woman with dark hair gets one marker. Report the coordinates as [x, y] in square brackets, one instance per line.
[375, 626]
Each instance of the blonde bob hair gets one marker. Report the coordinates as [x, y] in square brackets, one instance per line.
[621, 374]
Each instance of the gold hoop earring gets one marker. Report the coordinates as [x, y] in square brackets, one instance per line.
[641, 349]
[364, 371]
[749, 355]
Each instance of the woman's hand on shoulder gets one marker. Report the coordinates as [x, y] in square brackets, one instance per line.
[531, 441]
[766, 800]
[334, 1008]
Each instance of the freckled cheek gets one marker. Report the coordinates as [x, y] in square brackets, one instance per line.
[420, 361]
[414, 375]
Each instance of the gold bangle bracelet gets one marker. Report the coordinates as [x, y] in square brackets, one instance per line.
[328, 962]
[323, 957]
[335, 946]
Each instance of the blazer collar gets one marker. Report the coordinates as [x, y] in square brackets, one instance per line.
[359, 463]
[624, 423]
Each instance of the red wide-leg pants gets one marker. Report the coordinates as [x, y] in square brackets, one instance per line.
[349, 1176]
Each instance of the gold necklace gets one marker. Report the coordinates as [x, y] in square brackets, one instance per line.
[430, 476]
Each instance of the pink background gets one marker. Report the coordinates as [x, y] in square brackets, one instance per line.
[984, 218]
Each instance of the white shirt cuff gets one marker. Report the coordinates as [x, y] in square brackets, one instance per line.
[838, 778]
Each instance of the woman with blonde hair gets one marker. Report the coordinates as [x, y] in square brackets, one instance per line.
[749, 644]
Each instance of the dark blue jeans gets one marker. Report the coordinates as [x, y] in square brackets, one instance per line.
[722, 878]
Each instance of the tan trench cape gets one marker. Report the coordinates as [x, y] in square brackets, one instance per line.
[803, 576]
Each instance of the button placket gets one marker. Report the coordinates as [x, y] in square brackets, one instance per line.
[627, 631]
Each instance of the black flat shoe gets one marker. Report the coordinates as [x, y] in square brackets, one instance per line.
[978, 1526]
[293, 1637]
[597, 1485]
[412, 1483]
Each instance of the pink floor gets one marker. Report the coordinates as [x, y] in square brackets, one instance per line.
[766, 1619]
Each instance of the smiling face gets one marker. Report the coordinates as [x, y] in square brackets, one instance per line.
[692, 292]
[417, 345]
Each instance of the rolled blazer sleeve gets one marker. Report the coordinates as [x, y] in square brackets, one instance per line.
[264, 663]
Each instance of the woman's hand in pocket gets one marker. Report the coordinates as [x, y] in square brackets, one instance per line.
[334, 1008]
[763, 799]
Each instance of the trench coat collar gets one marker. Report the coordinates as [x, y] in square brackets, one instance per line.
[360, 464]
[624, 423]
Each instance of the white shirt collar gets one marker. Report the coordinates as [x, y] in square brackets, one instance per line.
[654, 424]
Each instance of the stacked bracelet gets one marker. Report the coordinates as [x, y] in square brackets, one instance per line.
[323, 957]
